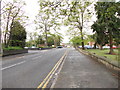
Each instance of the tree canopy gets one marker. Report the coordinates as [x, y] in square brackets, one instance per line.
[107, 24]
[18, 35]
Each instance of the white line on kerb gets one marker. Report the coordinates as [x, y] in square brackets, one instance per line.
[13, 65]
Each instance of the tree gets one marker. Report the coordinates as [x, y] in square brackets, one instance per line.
[11, 12]
[77, 14]
[34, 39]
[106, 14]
[76, 41]
[39, 40]
[100, 37]
[116, 34]
[18, 35]
[57, 39]
[50, 41]
[47, 17]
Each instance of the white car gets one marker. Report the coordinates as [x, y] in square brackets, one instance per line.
[88, 46]
[80, 47]
[33, 47]
[106, 47]
[25, 47]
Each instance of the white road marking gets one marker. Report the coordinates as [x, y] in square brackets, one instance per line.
[37, 57]
[21, 57]
[13, 65]
[44, 50]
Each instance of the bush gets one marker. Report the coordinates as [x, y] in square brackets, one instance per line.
[46, 47]
[41, 47]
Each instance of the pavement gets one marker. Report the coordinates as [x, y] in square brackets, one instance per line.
[29, 70]
[80, 71]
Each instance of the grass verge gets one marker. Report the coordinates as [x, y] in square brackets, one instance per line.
[12, 48]
[104, 53]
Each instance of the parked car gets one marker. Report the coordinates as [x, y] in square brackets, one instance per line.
[33, 47]
[96, 47]
[106, 47]
[114, 47]
[25, 47]
[88, 47]
[79, 46]
[59, 46]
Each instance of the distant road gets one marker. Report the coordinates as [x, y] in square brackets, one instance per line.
[29, 70]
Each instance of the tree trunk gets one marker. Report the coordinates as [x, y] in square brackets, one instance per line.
[7, 26]
[95, 45]
[46, 42]
[82, 32]
[8, 41]
[9, 38]
[55, 42]
[82, 44]
[111, 43]
[101, 47]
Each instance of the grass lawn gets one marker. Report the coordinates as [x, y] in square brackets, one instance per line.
[104, 53]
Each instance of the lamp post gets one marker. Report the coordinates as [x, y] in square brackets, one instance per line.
[0, 48]
[0, 31]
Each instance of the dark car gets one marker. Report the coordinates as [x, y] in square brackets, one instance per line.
[59, 46]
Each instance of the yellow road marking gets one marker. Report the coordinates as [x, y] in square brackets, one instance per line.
[49, 76]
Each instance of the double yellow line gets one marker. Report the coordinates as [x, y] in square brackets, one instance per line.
[51, 73]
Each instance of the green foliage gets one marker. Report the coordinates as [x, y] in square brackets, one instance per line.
[76, 41]
[50, 41]
[57, 39]
[108, 24]
[39, 40]
[11, 12]
[100, 36]
[18, 35]
[77, 13]
[54, 39]
[12, 48]
[47, 17]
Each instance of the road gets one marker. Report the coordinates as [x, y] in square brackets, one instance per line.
[29, 70]
[79, 71]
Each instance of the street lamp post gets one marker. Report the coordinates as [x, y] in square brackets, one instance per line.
[0, 48]
[0, 30]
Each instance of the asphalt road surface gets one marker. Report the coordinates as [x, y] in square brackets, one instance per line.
[29, 70]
